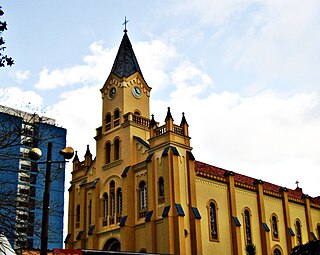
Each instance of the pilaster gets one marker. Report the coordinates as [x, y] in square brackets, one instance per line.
[264, 235]
[235, 230]
[287, 222]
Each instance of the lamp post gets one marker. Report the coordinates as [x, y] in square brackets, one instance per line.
[35, 154]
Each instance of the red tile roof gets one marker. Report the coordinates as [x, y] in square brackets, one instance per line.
[219, 172]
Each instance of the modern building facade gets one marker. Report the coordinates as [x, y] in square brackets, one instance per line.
[145, 192]
[22, 181]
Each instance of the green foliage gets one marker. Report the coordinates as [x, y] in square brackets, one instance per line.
[251, 249]
[4, 59]
[310, 248]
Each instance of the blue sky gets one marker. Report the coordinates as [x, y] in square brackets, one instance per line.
[246, 73]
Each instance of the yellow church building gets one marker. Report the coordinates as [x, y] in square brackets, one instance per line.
[145, 192]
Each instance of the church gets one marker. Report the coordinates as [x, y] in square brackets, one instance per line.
[145, 192]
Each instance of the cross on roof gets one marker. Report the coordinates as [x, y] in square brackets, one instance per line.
[125, 24]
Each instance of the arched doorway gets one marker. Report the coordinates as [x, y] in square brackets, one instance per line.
[112, 244]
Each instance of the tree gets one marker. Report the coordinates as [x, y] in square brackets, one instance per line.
[21, 180]
[250, 249]
[4, 59]
[310, 248]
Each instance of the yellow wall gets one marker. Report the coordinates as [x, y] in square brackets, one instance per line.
[206, 191]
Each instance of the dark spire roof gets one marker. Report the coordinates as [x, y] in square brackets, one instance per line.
[126, 62]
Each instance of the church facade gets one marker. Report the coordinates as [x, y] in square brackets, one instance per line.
[145, 191]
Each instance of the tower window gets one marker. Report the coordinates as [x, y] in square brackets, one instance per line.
[298, 232]
[161, 191]
[90, 211]
[108, 121]
[106, 209]
[247, 223]
[274, 225]
[105, 200]
[116, 149]
[108, 152]
[119, 204]
[112, 202]
[277, 252]
[78, 216]
[213, 221]
[142, 199]
[116, 121]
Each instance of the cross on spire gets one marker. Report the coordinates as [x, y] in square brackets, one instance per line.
[125, 24]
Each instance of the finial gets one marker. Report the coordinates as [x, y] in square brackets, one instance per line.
[88, 150]
[169, 116]
[183, 120]
[125, 24]
[76, 158]
[152, 122]
[297, 183]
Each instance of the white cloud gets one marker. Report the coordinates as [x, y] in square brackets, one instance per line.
[79, 111]
[92, 71]
[189, 80]
[21, 76]
[155, 58]
[25, 100]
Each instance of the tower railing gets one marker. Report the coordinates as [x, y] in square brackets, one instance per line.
[163, 129]
[136, 119]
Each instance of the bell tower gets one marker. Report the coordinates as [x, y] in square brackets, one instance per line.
[125, 87]
[125, 109]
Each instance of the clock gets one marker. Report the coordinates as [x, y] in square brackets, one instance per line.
[136, 91]
[112, 92]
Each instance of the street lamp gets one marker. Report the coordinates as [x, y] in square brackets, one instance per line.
[35, 154]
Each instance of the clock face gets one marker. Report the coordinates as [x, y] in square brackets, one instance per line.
[136, 91]
[112, 92]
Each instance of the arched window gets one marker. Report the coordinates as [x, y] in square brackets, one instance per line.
[90, 211]
[161, 190]
[106, 205]
[116, 149]
[247, 224]
[318, 230]
[116, 121]
[108, 121]
[112, 202]
[119, 204]
[142, 199]
[105, 209]
[108, 152]
[277, 252]
[274, 225]
[213, 221]
[78, 216]
[298, 232]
